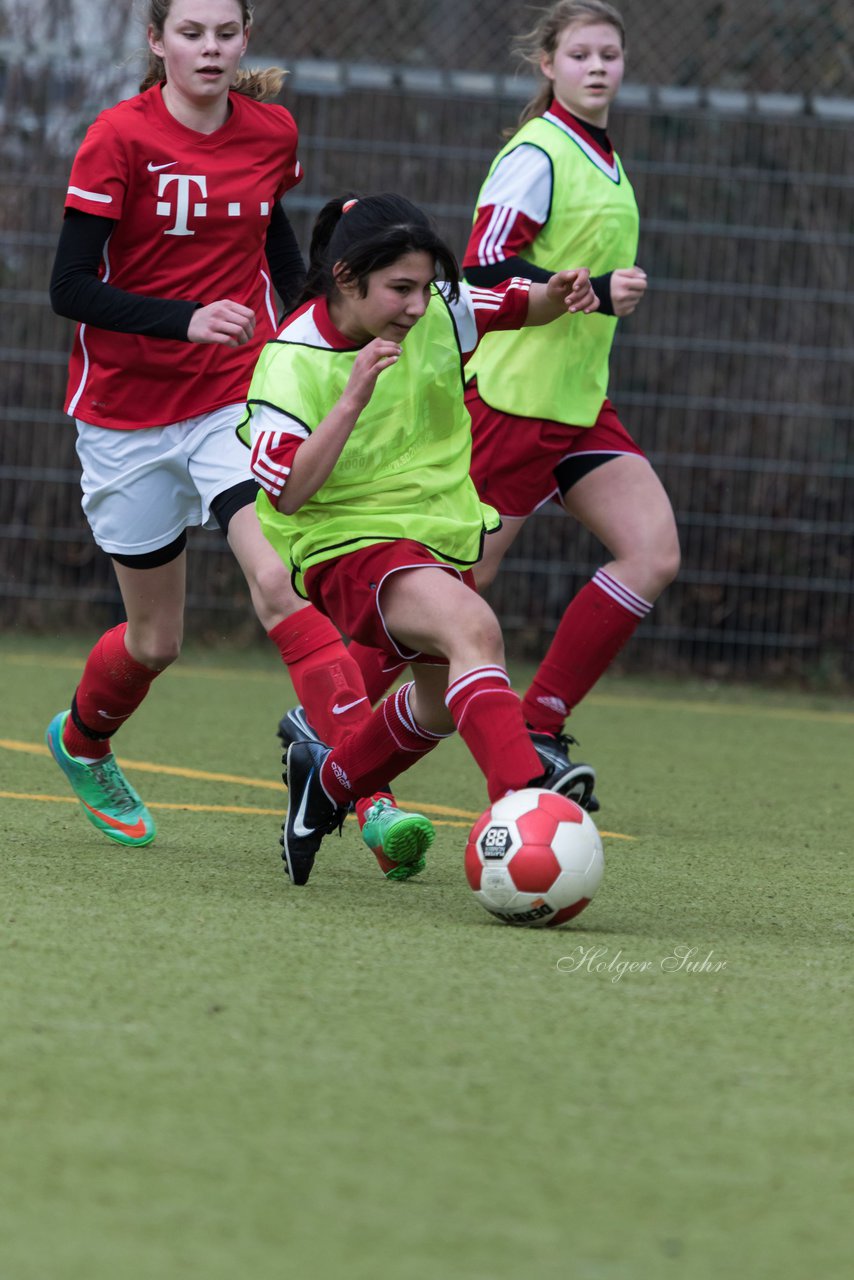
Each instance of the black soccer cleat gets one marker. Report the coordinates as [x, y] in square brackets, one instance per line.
[593, 805]
[311, 814]
[294, 727]
[576, 781]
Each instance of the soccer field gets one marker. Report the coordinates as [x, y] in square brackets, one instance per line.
[206, 1072]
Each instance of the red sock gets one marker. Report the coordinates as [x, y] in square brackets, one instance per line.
[390, 742]
[328, 682]
[111, 688]
[594, 628]
[379, 670]
[366, 802]
[489, 718]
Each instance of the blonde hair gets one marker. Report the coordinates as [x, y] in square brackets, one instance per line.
[263, 86]
[542, 41]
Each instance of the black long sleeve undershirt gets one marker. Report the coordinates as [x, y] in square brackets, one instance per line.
[77, 292]
[496, 272]
[287, 268]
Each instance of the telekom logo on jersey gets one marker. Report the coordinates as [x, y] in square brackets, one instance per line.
[186, 196]
[184, 185]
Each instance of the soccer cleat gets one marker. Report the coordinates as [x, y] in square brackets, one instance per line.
[107, 798]
[311, 814]
[576, 781]
[294, 727]
[592, 805]
[398, 840]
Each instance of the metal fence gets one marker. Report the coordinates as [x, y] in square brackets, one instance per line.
[737, 374]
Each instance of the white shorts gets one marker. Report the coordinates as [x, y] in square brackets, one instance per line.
[142, 489]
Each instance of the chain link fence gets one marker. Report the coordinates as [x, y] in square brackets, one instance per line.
[803, 47]
[737, 374]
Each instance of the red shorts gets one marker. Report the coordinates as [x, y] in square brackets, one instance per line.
[349, 591]
[514, 460]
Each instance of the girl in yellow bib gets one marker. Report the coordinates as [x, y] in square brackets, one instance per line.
[543, 426]
[361, 443]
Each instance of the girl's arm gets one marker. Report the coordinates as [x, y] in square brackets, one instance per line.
[497, 272]
[287, 268]
[619, 291]
[628, 285]
[77, 292]
[316, 457]
[516, 304]
[566, 291]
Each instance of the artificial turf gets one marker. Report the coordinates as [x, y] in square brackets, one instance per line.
[207, 1072]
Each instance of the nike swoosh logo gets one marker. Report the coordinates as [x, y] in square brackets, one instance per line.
[155, 168]
[300, 829]
[339, 711]
[138, 828]
[105, 715]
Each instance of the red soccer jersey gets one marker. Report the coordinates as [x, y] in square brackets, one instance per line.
[191, 213]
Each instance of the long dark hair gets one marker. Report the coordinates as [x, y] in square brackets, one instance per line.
[368, 233]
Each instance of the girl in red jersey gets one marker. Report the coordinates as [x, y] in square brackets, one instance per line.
[172, 242]
[543, 427]
[362, 445]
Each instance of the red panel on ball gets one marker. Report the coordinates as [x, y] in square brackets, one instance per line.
[483, 821]
[537, 826]
[534, 869]
[566, 913]
[561, 807]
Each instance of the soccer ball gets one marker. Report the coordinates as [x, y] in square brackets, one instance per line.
[534, 858]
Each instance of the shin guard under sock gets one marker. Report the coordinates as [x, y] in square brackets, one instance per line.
[489, 718]
[379, 669]
[594, 628]
[112, 686]
[327, 681]
[390, 742]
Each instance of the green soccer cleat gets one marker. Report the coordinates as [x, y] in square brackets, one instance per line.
[107, 798]
[398, 840]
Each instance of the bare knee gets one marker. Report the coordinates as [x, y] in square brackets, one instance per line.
[272, 594]
[155, 647]
[671, 565]
[651, 568]
[478, 637]
[663, 566]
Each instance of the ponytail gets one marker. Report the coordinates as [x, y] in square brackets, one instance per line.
[318, 279]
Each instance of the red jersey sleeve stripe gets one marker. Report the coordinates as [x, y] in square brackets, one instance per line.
[505, 307]
[500, 232]
[491, 246]
[271, 455]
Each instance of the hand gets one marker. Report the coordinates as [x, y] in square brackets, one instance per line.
[628, 285]
[572, 288]
[228, 323]
[367, 367]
